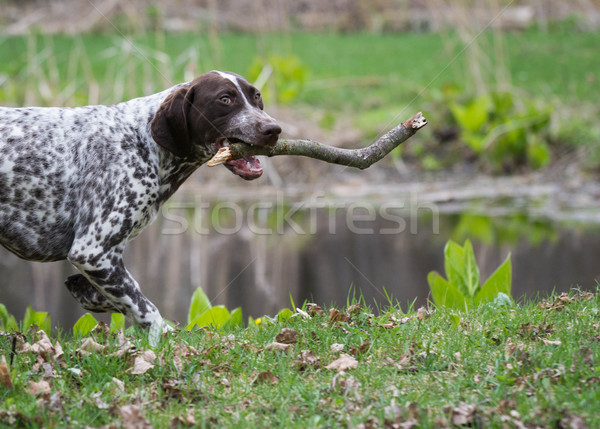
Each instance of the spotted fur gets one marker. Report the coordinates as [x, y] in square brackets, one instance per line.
[79, 183]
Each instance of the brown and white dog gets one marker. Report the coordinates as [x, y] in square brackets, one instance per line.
[79, 183]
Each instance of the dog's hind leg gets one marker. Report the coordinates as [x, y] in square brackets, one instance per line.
[88, 296]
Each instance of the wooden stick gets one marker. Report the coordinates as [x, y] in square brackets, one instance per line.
[358, 158]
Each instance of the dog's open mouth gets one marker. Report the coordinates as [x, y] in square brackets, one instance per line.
[247, 168]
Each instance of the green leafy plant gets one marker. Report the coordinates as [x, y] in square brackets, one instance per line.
[39, 318]
[508, 133]
[86, 323]
[201, 313]
[462, 288]
[7, 320]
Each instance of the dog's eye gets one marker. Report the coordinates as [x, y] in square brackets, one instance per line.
[225, 100]
[257, 97]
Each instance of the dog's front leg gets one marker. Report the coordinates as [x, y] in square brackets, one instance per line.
[107, 275]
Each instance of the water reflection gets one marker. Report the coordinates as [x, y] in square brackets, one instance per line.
[254, 254]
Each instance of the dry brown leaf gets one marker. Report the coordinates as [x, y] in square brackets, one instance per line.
[89, 346]
[184, 350]
[266, 377]
[277, 347]
[5, 374]
[463, 414]
[353, 310]
[120, 385]
[314, 310]
[144, 362]
[251, 348]
[125, 346]
[42, 347]
[336, 316]
[132, 418]
[306, 359]
[187, 420]
[355, 351]
[336, 348]
[287, 336]
[423, 313]
[343, 363]
[39, 388]
[389, 325]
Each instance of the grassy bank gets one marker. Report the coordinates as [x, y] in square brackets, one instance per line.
[343, 70]
[536, 364]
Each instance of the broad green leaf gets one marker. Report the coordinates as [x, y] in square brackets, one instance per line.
[38, 318]
[4, 315]
[445, 294]
[453, 261]
[284, 314]
[216, 316]
[471, 273]
[472, 115]
[499, 282]
[475, 141]
[454, 264]
[84, 325]
[8, 322]
[117, 322]
[461, 268]
[235, 319]
[200, 303]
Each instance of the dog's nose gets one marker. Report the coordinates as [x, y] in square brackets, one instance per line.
[270, 129]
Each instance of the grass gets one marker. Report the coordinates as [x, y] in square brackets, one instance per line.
[534, 364]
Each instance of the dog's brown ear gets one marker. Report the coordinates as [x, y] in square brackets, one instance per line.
[169, 127]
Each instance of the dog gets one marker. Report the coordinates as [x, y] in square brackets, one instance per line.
[80, 183]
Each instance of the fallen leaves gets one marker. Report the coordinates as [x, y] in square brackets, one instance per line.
[89, 346]
[265, 377]
[132, 418]
[287, 336]
[559, 302]
[461, 415]
[143, 362]
[343, 363]
[5, 379]
[43, 347]
[39, 387]
[307, 359]
[277, 347]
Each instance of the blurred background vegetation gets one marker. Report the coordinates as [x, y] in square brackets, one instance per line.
[509, 86]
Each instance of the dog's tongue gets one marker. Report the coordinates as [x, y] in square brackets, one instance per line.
[248, 168]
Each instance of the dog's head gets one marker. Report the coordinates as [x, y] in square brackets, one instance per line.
[216, 109]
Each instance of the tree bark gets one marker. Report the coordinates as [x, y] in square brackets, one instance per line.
[358, 158]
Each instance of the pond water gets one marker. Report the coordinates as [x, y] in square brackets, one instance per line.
[254, 251]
